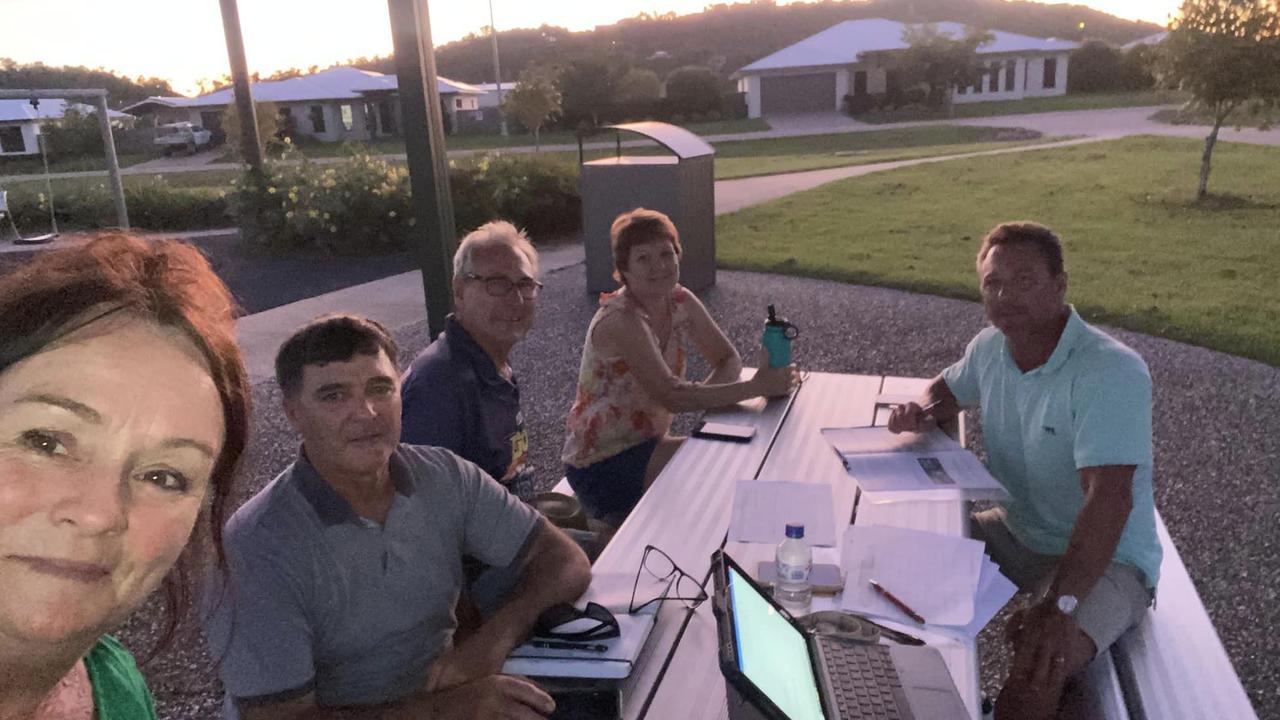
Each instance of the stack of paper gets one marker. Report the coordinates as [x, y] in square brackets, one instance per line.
[762, 509]
[947, 580]
[911, 466]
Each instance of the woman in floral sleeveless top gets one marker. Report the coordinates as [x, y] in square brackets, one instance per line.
[632, 376]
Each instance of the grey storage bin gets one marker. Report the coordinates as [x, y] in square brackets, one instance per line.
[682, 185]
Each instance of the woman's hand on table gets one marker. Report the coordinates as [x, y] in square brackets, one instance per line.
[774, 382]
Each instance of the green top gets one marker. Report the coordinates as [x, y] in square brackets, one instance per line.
[119, 692]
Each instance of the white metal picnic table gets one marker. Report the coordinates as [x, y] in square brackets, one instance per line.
[686, 514]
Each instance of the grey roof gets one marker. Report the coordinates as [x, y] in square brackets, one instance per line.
[341, 83]
[842, 44]
[50, 108]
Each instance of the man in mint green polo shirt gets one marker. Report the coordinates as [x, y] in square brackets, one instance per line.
[1066, 421]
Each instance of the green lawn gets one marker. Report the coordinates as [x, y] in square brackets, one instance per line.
[734, 159]
[1073, 101]
[750, 158]
[497, 142]
[1244, 117]
[32, 165]
[1139, 253]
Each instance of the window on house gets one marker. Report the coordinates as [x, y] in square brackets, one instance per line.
[317, 118]
[348, 117]
[977, 85]
[1010, 72]
[11, 140]
[1050, 72]
[963, 90]
[993, 78]
[860, 82]
[457, 103]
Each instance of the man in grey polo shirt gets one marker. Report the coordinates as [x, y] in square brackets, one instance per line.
[344, 570]
[1066, 420]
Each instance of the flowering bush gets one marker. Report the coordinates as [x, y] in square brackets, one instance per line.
[358, 206]
[362, 205]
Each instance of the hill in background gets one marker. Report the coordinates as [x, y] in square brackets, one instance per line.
[727, 37]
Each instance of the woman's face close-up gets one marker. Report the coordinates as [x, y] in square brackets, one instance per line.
[108, 438]
[653, 267]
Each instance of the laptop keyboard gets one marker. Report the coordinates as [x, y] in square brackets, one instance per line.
[864, 681]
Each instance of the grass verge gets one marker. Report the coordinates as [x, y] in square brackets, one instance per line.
[1140, 253]
[1058, 103]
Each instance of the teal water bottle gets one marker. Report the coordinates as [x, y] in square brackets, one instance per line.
[778, 334]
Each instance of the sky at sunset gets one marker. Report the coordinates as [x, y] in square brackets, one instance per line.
[182, 40]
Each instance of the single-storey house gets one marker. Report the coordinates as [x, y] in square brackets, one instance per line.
[20, 122]
[338, 104]
[490, 96]
[853, 58]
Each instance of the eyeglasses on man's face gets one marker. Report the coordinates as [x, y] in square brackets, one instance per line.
[659, 568]
[499, 286]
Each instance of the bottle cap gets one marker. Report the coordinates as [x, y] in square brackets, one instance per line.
[795, 531]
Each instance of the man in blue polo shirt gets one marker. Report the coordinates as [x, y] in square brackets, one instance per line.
[460, 393]
[345, 570]
[1066, 421]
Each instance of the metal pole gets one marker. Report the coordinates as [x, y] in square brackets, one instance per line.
[113, 167]
[423, 128]
[497, 69]
[250, 151]
[44, 158]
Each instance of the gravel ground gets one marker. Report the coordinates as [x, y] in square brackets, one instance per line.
[1217, 455]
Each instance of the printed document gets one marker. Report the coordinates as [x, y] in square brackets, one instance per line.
[911, 466]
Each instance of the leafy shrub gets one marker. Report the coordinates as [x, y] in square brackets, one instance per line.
[354, 207]
[362, 205]
[152, 206]
[539, 194]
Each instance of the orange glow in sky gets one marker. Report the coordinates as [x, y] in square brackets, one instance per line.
[182, 40]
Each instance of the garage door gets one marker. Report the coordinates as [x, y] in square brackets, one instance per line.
[798, 94]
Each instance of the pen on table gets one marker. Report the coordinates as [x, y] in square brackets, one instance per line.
[928, 409]
[557, 645]
[896, 602]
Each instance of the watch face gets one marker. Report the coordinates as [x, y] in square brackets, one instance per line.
[1067, 603]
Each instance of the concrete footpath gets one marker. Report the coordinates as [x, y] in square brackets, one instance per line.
[397, 301]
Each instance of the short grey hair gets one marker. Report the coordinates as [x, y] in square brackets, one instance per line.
[492, 234]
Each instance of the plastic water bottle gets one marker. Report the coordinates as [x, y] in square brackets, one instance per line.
[778, 334]
[795, 560]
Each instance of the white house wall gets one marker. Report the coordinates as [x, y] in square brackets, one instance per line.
[751, 86]
[1028, 82]
[29, 143]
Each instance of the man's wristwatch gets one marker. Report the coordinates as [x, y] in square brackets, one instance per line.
[1067, 604]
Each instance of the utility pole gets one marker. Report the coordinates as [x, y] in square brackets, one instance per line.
[423, 127]
[497, 69]
[249, 147]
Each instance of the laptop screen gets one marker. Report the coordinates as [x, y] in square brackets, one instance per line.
[772, 653]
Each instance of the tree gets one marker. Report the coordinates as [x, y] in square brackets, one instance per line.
[939, 61]
[638, 94]
[533, 101]
[268, 125]
[588, 89]
[1226, 53]
[639, 86]
[1099, 67]
[693, 90]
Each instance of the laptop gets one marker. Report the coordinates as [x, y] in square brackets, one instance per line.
[776, 671]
